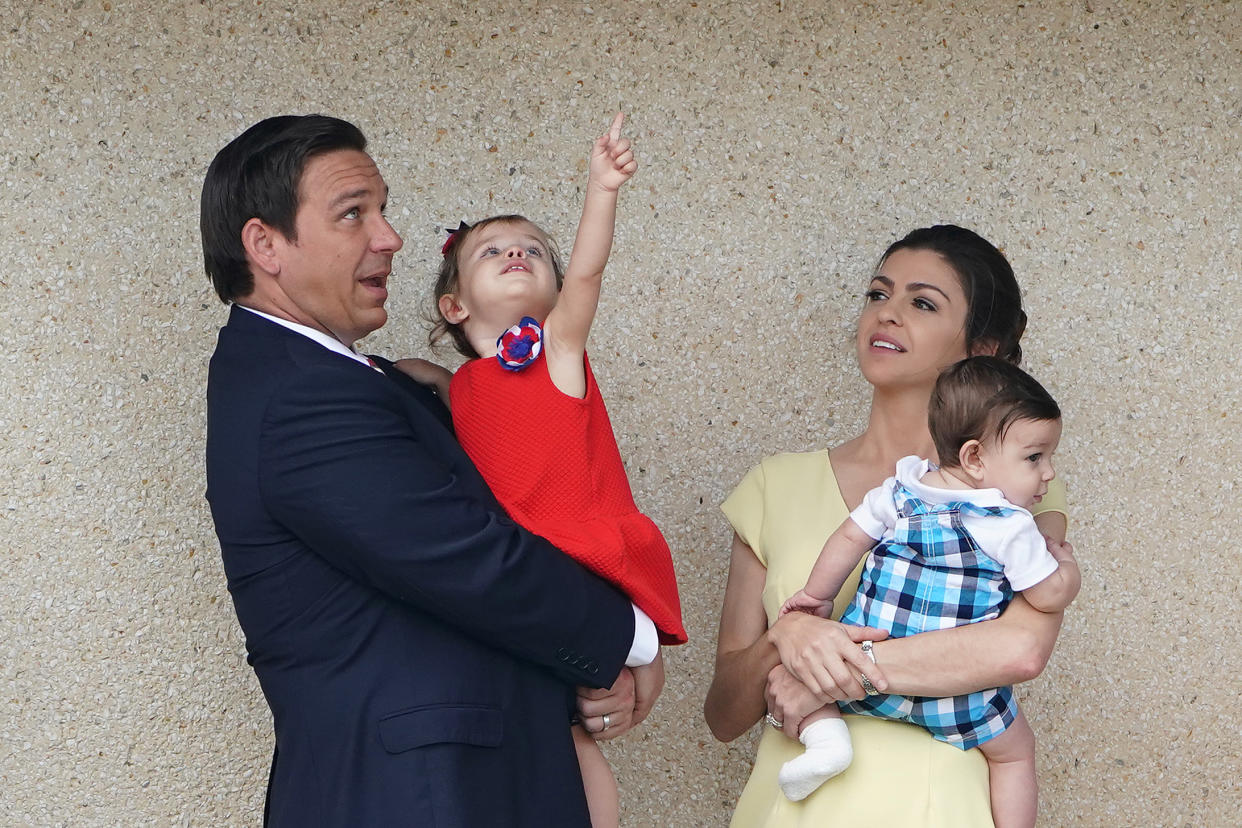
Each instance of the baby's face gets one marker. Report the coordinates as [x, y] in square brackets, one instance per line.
[1020, 464]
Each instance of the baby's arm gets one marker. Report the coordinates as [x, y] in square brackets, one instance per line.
[1055, 592]
[612, 164]
[836, 561]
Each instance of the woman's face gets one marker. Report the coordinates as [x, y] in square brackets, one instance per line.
[914, 322]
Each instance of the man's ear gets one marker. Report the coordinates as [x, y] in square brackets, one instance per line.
[261, 244]
[452, 310]
[970, 460]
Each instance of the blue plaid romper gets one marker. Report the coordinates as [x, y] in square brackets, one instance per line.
[932, 575]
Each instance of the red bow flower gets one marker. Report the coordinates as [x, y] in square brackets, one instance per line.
[521, 345]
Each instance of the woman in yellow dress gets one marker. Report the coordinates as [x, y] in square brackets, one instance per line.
[939, 294]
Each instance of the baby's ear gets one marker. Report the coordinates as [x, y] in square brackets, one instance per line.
[452, 310]
[970, 459]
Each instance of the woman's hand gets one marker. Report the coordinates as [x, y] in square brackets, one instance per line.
[825, 656]
[788, 700]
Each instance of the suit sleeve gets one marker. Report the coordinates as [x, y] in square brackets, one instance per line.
[342, 467]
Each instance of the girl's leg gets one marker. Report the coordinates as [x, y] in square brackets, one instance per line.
[1011, 775]
[597, 778]
[828, 752]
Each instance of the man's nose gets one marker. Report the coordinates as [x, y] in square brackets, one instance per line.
[387, 239]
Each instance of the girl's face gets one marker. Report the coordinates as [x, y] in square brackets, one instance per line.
[1020, 463]
[505, 272]
[914, 322]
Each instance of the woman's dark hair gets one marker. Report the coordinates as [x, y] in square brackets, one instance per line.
[449, 277]
[981, 397]
[257, 175]
[995, 315]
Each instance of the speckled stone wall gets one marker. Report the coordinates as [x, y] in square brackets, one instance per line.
[783, 146]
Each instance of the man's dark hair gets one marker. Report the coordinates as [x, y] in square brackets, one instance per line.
[258, 175]
[979, 398]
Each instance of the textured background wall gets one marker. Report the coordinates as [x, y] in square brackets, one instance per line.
[783, 146]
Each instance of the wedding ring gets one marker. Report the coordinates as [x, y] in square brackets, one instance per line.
[772, 720]
[607, 724]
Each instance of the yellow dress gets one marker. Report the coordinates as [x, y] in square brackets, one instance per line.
[784, 509]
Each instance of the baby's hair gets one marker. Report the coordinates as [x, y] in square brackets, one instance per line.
[980, 397]
[448, 279]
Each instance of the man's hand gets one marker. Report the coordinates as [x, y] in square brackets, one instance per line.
[626, 703]
[612, 160]
[617, 703]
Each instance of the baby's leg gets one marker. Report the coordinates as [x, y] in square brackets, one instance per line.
[1011, 775]
[597, 778]
[828, 752]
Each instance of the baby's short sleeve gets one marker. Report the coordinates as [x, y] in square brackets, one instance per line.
[877, 514]
[1024, 553]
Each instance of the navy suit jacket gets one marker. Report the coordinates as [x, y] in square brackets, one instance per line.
[416, 647]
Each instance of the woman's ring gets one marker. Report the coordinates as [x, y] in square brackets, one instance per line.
[772, 720]
[607, 724]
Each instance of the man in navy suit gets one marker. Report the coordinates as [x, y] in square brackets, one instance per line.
[418, 650]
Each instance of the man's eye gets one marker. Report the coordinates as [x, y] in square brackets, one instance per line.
[352, 213]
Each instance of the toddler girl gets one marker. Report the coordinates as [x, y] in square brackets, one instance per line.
[527, 409]
[951, 546]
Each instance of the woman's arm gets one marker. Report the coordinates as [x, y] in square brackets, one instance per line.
[1007, 650]
[746, 652]
[743, 655]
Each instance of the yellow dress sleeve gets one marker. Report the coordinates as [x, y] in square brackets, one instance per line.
[744, 509]
[1054, 500]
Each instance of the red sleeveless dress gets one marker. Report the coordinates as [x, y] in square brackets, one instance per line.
[552, 462]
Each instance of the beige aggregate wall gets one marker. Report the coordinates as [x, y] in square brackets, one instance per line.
[783, 146]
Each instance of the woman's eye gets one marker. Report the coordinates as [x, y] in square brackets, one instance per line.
[924, 304]
[874, 295]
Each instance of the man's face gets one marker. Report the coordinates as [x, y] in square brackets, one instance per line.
[335, 276]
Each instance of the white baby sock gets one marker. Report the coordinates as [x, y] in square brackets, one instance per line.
[828, 752]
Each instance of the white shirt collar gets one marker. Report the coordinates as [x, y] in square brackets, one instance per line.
[329, 342]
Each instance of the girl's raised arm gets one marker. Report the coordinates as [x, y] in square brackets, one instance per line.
[612, 164]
